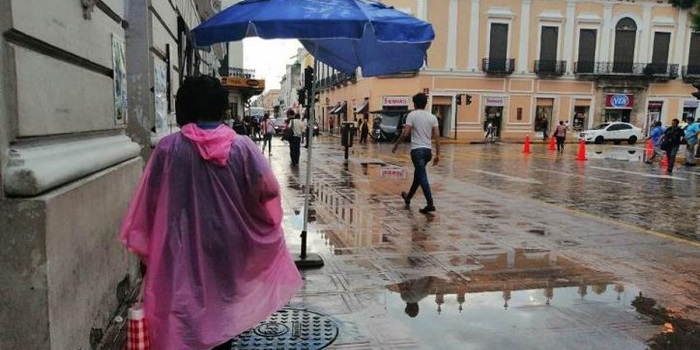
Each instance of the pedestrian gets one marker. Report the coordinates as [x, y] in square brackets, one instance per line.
[670, 142]
[657, 130]
[489, 131]
[423, 128]
[206, 222]
[268, 129]
[331, 122]
[560, 135]
[691, 139]
[364, 131]
[545, 129]
[294, 136]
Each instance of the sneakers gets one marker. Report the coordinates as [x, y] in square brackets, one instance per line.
[406, 200]
[427, 209]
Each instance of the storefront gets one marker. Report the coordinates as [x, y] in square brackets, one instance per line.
[395, 102]
[543, 115]
[618, 108]
[653, 114]
[689, 108]
[582, 108]
[493, 113]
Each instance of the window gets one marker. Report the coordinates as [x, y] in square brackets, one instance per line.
[694, 54]
[625, 37]
[586, 50]
[659, 56]
[498, 47]
[548, 48]
[624, 127]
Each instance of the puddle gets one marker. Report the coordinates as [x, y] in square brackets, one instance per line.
[536, 314]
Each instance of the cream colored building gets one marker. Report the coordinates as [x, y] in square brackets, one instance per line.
[527, 61]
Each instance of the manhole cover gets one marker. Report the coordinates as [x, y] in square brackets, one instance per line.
[289, 329]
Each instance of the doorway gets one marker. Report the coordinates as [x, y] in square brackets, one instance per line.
[493, 115]
[617, 115]
[444, 113]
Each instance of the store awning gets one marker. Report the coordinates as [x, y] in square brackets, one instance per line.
[333, 108]
[341, 109]
[363, 108]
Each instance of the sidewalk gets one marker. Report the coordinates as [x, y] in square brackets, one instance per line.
[528, 275]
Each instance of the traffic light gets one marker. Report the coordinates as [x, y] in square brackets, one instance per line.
[469, 99]
[308, 78]
[696, 94]
[301, 96]
[459, 100]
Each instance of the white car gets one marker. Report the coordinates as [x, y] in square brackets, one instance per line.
[614, 131]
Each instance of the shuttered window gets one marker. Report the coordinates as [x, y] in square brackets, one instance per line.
[586, 50]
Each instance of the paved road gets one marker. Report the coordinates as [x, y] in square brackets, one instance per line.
[534, 251]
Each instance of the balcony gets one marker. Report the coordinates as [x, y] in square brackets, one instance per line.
[498, 66]
[691, 73]
[336, 79]
[550, 68]
[609, 68]
[660, 71]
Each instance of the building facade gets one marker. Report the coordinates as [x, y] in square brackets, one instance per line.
[528, 64]
[87, 86]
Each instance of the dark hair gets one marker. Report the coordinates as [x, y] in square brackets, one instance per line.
[657, 123]
[420, 100]
[200, 98]
[675, 120]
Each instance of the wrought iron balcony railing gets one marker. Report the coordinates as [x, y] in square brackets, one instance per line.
[691, 71]
[336, 79]
[241, 72]
[498, 66]
[547, 67]
[661, 71]
[609, 68]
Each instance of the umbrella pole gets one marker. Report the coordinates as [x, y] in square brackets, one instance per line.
[312, 260]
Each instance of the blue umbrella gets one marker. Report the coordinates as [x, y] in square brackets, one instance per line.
[344, 34]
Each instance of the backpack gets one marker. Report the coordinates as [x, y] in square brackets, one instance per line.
[289, 131]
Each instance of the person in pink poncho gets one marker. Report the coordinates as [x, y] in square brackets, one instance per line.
[206, 222]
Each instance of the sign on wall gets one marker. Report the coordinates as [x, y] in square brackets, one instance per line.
[159, 91]
[119, 80]
[619, 101]
[395, 100]
[495, 101]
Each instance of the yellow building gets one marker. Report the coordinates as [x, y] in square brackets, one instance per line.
[524, 62]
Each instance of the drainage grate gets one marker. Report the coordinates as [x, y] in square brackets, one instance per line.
[289, 328]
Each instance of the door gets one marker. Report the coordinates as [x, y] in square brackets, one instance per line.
[625, 37]
[498, 47]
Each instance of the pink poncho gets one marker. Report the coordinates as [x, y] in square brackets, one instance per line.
[206, 221]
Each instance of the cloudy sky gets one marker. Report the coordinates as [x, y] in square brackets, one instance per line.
[269, 58]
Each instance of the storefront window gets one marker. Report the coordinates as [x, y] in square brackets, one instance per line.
[543, 114]
[580, 118]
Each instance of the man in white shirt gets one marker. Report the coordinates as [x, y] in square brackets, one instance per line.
[423, 128]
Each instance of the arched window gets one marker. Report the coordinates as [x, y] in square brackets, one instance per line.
[625, 37]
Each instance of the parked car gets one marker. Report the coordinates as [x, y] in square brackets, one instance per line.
[614, 131]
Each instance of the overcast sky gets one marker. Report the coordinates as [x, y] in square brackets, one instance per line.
[269, 58]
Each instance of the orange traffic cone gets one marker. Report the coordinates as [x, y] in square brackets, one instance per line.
[552, 145]
[526, 147]
[581, 151]
[650, 149]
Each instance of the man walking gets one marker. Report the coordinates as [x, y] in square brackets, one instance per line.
[655, 136]
[671, 141]
[423, 128]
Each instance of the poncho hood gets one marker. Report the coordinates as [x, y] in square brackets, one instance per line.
[213, 145]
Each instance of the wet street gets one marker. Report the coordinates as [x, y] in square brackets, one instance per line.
[537, 251]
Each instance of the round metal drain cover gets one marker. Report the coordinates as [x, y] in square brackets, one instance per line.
[289, 328]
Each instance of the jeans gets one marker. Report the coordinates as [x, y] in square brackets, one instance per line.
[267, 140]
[690, 153]
[421, 157]
[560, 143]
[671, 155]
[295, 149]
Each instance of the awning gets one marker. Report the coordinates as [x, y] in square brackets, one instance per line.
[341, 109]
[333, 108]
[363, 108]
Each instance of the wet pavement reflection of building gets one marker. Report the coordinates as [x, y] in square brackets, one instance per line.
[526, 252]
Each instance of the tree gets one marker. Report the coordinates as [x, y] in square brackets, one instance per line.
[691, 5]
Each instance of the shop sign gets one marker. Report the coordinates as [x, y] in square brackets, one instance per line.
[395, 100]
[619, 101]
[690, 104]
[496, 101]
